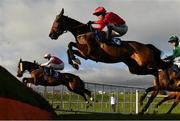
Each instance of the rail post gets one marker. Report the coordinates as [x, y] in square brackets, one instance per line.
[137, 100]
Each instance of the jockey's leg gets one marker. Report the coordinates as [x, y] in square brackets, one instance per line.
[118, 31]
[57, 67]
[176, 69]
[109, 31]
[51, 71]
[47, 71]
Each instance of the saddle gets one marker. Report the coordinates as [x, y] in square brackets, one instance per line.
[51, 72]
[114, 41]
[176, 69]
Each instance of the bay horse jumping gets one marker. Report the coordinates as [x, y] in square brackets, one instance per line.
[71, 81]
[165, 81]
[141, 59]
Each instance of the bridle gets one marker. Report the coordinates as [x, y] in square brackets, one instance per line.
[21, 67]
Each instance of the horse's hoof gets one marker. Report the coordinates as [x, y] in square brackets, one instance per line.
[87, 102]
[141, 113]
[76, 60]
[87, 106]
[91, 99]
[57, 107]
[90, 105]
[168, 112]
[75, 66]
[156, 106]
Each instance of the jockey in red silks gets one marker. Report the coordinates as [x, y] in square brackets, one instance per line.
[116, 25]
[53, 63]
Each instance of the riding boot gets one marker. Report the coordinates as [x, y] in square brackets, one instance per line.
[178, 75]
[51, 72]
[109, 32]
[47, 71]
[177, 70]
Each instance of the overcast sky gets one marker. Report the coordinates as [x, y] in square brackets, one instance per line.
[25, 25]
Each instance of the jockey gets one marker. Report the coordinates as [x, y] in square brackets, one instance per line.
[116, 25]
[53, 63]
[174, 40]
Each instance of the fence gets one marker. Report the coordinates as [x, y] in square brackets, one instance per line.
[126, 98]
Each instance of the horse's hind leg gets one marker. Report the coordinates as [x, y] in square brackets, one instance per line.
[173, 106]
[165, 99]
[145, 94]
[89, 94]
[81, 93]
[153, 95]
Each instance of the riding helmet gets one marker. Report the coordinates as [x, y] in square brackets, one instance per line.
[99, 11]
[47, 55]
[173, 38]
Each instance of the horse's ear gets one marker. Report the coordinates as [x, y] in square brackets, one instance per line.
[34, 61]
[62, 12]
[20, 60]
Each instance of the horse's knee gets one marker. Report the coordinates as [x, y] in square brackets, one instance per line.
[24, 80]
[71, 44]
[87, 102]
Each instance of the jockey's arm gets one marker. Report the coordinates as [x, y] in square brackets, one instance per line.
[169, 58]
[99, 25]
[176, 52]
[47, 63]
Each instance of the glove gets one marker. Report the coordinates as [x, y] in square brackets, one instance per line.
[90, 22]
[170, 58]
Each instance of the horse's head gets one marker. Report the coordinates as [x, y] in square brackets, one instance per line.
[25, 65]
[20, 69]
[64, 23]
[59, 26]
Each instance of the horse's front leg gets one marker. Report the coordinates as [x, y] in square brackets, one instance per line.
[74, 65]
[26, 80]
[71, 56]
[70, 50]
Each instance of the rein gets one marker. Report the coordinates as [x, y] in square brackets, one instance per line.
[75, 27]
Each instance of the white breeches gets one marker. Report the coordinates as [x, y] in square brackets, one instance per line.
[177, 61]
[118, 31]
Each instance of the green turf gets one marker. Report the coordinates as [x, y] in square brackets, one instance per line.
[77, 103]
[96, 116]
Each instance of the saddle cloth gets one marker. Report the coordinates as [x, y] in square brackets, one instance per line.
[114, 41]
[51, 72]
[56, 74]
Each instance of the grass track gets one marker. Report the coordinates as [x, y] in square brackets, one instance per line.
[96, 116]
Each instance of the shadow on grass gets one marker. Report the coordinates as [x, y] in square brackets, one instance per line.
[101, 116]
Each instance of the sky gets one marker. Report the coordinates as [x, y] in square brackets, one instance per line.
[25, 26]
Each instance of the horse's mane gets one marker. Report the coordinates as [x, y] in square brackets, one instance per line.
[32, 63]
[78, 25]
[69, 19]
